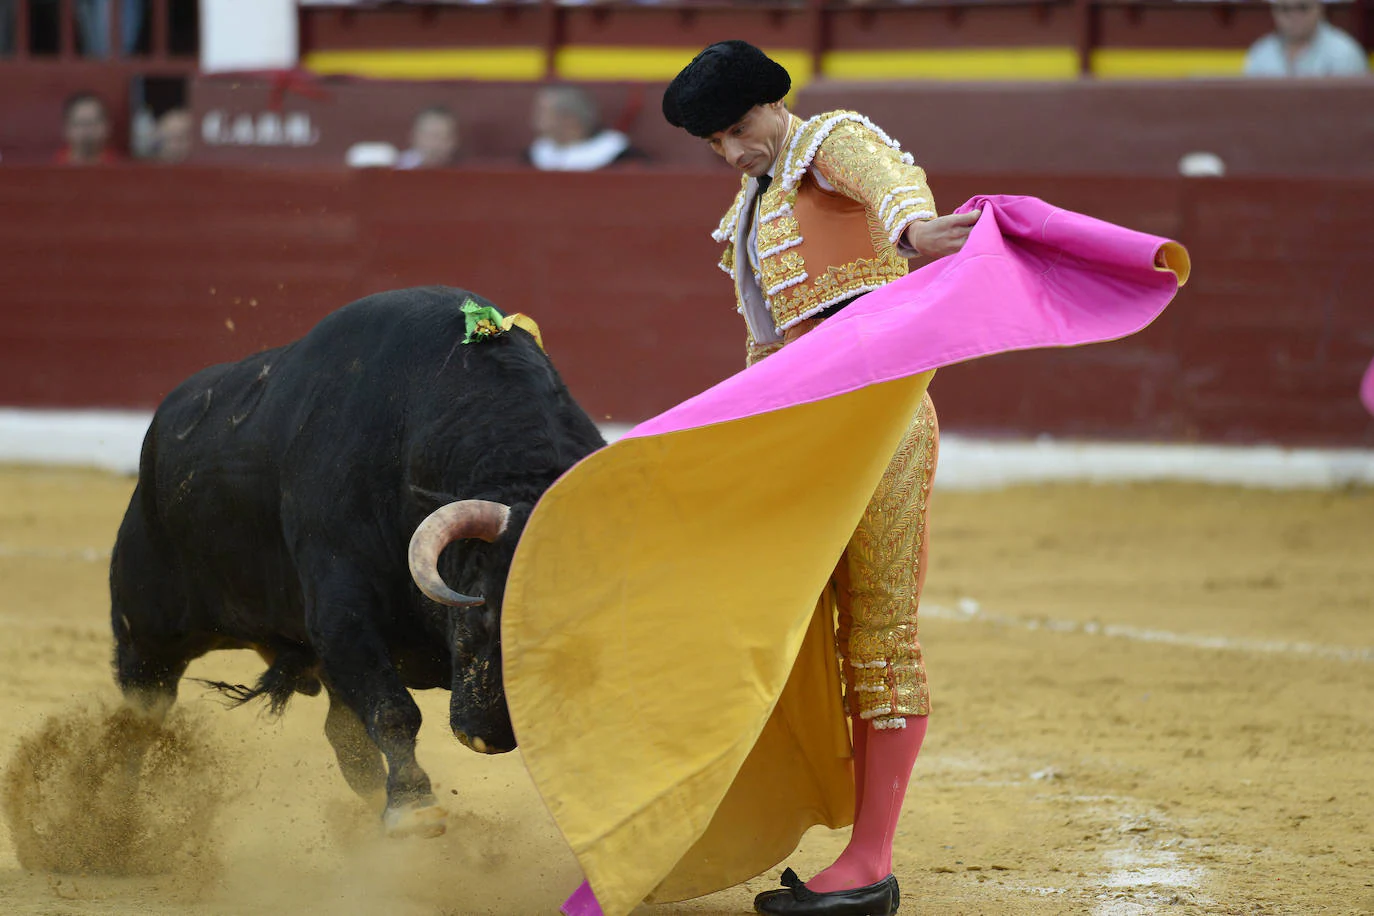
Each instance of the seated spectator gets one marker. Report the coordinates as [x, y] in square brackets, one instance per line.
[86, 129]
[434, 140]
[1303, 43]
[173, 140]
[569, 136]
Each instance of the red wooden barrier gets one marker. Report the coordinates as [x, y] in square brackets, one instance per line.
[243, 122]
[1258, 127]
[116, 283]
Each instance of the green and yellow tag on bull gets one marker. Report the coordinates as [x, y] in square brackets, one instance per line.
[485, 322]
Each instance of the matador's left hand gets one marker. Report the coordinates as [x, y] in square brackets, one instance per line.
[943, 235]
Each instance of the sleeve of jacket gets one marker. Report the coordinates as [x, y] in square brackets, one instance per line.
[864, 164]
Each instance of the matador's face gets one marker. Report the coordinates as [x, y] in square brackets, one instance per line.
[752, 144]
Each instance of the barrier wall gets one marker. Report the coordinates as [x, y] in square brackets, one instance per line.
[494, 118]
[1258, 127]
[116, 283]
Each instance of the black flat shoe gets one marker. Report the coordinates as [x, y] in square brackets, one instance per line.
[881, 899]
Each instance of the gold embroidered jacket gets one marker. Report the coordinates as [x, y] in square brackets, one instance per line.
[829, 227]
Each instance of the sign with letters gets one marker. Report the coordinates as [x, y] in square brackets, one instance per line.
[219, 127]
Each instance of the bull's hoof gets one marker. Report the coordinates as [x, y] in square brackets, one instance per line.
[422, 819]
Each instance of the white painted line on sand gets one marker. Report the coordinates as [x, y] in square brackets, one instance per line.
[968, 613]
[1141, 634]
[1142, 876]
[1157, 868]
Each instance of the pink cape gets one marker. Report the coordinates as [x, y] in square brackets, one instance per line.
[671, 682]
[1367, 389]
[1031, 275]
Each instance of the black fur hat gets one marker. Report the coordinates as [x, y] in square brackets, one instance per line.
[720, 85]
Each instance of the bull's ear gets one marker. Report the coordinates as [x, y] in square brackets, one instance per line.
[429, 500]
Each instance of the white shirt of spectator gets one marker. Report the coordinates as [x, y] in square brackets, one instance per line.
[591, 154]
[410, 159]
[1330, 53]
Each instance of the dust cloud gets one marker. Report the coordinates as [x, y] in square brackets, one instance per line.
[100, 794]
[102, 790]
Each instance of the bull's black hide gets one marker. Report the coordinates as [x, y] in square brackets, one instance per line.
[275, 500]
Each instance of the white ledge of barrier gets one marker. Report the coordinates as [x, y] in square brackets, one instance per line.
[111, 440]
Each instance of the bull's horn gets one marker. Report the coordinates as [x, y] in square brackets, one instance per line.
[467, 518]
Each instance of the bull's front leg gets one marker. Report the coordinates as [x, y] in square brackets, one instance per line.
[358, 668]
[359, 759]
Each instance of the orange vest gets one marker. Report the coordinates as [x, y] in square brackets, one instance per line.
[818, 247]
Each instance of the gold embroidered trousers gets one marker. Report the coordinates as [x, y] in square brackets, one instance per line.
[878, 585]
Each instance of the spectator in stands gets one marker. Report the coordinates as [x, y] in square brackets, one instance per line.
[569, 136]
[1303, 43]
[173, 136]
[7, 15]
[93, 20]
[92, 23]
[434, 140]
[86, 129]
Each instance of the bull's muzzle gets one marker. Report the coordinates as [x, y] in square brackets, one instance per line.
[479, 745]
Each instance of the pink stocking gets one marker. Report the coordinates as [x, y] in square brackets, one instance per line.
[888, 756]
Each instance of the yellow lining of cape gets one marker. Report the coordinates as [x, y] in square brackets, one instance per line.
[660, 595]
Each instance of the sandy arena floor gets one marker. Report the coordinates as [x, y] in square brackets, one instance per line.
[1148, 699]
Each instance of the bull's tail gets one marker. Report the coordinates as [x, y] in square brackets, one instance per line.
[291, 671]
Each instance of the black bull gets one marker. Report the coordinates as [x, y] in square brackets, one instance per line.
[275, 503]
